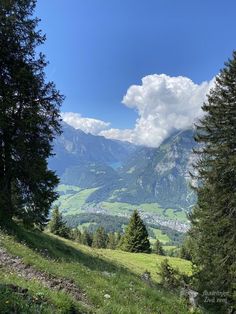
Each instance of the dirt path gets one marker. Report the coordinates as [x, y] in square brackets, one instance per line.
[29, 272]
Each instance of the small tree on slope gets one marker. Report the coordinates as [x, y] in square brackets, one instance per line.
[136, 236]
[57, 225]
[157, 248]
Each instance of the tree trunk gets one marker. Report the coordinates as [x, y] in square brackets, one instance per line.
[6, 208]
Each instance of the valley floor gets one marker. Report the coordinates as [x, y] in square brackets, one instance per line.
[40, 273]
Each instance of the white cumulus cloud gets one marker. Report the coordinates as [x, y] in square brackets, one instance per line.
[88, 125]
[164, 104]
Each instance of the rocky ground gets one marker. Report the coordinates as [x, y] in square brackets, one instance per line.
[15, 264]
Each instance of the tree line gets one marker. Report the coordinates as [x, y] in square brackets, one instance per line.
[134, 239]
[115, 224]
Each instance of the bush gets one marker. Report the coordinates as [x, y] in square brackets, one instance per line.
[171, 278]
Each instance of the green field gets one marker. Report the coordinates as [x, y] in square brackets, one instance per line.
[97, 273]
[162, 237]
[176, 215]
[73, 201]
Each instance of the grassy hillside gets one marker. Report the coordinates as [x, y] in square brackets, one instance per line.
[107, 281]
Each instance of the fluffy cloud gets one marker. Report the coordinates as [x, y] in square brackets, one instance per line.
[88, 125]
[164, 104]
[127, 135]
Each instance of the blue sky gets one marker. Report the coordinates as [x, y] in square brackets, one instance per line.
[98, 48]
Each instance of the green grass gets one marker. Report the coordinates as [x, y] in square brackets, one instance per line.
[86, 267]
[162, 237]
[67, 188]
[71, 204]
[176, 215]
[139, 262]
[38, 299]
[126, 208]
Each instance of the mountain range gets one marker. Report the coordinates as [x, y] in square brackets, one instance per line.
[114, 177]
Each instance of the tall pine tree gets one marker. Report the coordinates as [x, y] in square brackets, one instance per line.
[29, 117]
[136, 236]
[214, 218]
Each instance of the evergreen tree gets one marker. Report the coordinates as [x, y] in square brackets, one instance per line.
[86, 238]
[169, 276]
[157, 248]
[100, 238]
[76, 235]
[118, 238]
[29, 117]
[186, 249]
[214, 218]
[112, 241]
[136, 236]
[57, 225]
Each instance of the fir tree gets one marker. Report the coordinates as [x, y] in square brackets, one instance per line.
[112, 241]
[157, 248]
[100, 238]
[86, 238]
[29, 117]
[186, 249]
[169, 276]
[136, 236]
[214, 218]
[76, 235]
[57, 225]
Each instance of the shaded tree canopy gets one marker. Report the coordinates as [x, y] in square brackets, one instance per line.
[29, 117]
[213, 232]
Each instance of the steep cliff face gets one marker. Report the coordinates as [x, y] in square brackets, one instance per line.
[74, 148]
[160, 174]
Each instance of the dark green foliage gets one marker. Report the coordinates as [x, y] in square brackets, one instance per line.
[57, 225]
[171, 278]
[76, 235]
[108, 222]
[100, 238]
[214, 218]
[29, 117]
[168, 275]
[113, 224]
[176, 237]
[136, 236]
[86, 238]
[112, 241]
[157, 248]
[187, 248]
